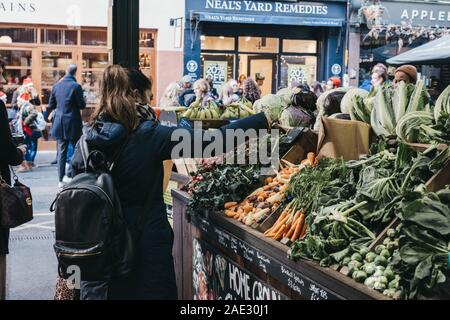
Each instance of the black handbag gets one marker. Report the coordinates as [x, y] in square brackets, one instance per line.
[16, 204]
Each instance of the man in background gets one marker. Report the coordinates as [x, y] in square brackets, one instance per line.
[67, 100]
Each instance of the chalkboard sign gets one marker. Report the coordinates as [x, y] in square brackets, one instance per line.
[215, 277]
[301, 285]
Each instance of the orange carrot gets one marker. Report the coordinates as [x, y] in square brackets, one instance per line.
[298, 228]
[305, 228]
[311, 158]
[278, 236]
[269, 180]
[230, 205]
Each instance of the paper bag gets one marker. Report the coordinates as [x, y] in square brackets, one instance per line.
[342, 138]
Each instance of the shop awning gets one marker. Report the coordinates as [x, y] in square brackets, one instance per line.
[264, 19]
[437, 51]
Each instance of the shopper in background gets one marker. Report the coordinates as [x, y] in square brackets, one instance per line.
[379, 75]
[67, 100]
[241, 82]
[317, 88]
[31, 124]
[187, 94]
[9, 155]
[333, 83]
[406, 73]
[171, 95]
[213, 91]
[260, 78]
[228, 95]
[202, 92]
[251, 90]
[146, 144]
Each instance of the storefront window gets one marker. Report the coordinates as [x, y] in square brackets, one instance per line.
[95, 60]
[147, 39]
[94, 38]
[90, 84]
[298, 69]
[17, 35]
[217, 43]
[258, 44]
[13, 77]
[54, 66]
[62, 37]
[16, 58]
[219, 67]
[300, 46]
[60, 60]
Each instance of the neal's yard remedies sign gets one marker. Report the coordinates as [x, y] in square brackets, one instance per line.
[330, 14]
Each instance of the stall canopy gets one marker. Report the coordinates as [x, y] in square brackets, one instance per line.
[437, 51]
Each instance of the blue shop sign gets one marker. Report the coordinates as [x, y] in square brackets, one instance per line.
[323, 14]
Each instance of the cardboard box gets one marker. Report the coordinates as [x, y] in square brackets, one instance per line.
[342, 138]
[305, 143]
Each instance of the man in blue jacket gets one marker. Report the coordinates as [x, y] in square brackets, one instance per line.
[67, 98]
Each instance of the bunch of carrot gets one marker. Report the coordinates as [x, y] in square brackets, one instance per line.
[291, 224]
[264, 201]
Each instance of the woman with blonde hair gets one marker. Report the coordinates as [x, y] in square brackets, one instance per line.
[227, 94]
[144, 145]
[171, 96]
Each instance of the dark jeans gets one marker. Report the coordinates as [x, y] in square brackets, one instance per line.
[32, 146]
[63, 148]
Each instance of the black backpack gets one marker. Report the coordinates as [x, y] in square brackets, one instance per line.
[91, 232]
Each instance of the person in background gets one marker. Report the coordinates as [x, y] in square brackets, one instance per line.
[241, 82]
[228, 95]
[202, 91]
[333, 83]
[187, 94]
[379, 75]
[67, 100]
[213, 91]
[317, 88]
[10, 155]
[31, 124]
[251, 90]
[406, 73]
[235, 86]
[260, 78]
[170, 97]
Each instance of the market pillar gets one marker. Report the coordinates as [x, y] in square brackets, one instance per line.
[124, 32]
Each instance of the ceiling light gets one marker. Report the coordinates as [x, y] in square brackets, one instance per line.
[222, 37]
[248, 39]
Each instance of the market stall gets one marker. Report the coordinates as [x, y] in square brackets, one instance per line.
[374, 224]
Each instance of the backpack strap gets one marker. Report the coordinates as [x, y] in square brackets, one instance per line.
[84, 149]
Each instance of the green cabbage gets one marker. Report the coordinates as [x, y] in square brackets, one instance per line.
[347, 102]
[272, 105]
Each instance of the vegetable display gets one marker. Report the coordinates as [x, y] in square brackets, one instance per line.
[216, 184]
[262, 202]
